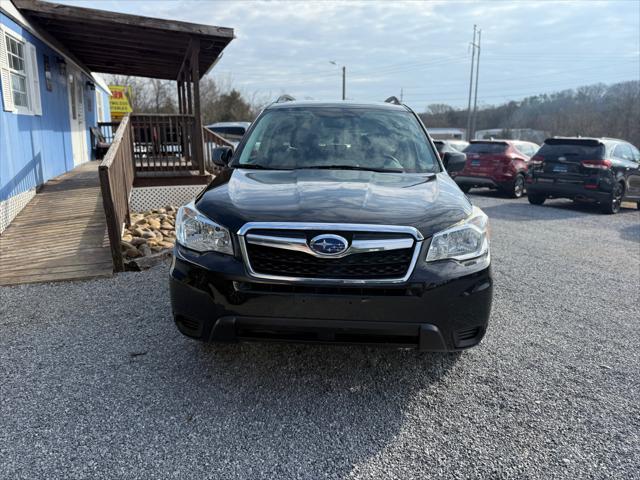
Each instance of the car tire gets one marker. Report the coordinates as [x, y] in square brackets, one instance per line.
[518, 187]
[612, 205]
[536, 199]
[465, 188]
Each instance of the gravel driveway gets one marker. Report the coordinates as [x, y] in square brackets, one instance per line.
[95, 381]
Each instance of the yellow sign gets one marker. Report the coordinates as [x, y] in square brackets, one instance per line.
[119, 101]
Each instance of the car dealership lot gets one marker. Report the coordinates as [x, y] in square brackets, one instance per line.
[95, 381]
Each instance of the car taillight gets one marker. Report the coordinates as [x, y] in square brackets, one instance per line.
[537, 160]
[599, 164]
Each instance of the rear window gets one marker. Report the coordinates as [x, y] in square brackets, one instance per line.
[486, 148]
[571, 152]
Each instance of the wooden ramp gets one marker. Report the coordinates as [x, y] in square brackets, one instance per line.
[60, 235]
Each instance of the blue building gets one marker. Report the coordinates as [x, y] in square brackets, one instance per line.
[49, 104]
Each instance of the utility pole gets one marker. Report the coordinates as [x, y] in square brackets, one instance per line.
[475, 95]
[344, 82]
[473, 56]
[344, 79]
[401, 92]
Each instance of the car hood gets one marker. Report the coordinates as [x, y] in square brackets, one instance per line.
[428, 202]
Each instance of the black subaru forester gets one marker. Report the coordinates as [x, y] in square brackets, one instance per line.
[333, 222]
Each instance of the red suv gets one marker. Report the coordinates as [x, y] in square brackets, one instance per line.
[500, 164]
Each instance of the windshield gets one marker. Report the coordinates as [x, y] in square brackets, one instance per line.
[341, 138]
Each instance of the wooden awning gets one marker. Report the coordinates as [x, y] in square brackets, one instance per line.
[117, 43]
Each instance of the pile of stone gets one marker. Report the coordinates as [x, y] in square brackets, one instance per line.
[151, 232]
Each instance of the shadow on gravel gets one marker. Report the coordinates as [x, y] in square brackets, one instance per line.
[488, 193]
[337, 405]
[631, 233]
[551, 210]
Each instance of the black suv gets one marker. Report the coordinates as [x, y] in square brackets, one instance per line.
[333, 222]
[602, 170]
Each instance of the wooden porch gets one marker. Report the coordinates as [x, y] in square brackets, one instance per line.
[60, 235]
[73, 228]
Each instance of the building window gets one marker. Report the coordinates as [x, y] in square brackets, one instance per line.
[19, 74]
[17, 67]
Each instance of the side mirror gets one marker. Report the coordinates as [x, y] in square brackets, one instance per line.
[454, 161]
[221, 156]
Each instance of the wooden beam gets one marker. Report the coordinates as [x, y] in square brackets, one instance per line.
[110, 34]
[101, 43]
[197, 134]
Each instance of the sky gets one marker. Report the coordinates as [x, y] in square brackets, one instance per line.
[420, 49]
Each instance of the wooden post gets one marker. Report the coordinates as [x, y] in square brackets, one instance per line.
[195, 77]
[188, 84]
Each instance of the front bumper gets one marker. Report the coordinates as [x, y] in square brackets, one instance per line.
[569, 190]
[213, 298]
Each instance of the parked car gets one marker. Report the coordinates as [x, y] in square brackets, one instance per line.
[450, 154]
[333, 222]
[601, 170]
[498, 164]
[232, 131]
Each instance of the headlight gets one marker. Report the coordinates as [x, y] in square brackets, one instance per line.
[468, 239]
[197, 232]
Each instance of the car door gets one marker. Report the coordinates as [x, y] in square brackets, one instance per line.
[629, 156]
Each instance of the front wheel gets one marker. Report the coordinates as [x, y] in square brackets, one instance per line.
[517, 190]
[612, 205]
[465, 188]
[536, 199]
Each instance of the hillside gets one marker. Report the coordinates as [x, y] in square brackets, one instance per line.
[593, 110]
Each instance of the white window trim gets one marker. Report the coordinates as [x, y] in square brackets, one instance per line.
[31, 77]
[99, 106]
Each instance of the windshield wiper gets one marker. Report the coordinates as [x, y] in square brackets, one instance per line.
[351, 167]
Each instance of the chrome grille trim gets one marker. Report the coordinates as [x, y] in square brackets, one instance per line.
[357, 246]
[300, 244]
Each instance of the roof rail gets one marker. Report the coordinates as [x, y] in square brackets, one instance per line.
[285, 98]
[394, 100]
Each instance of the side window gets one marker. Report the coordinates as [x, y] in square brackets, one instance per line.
[623, 151]
[525, 148]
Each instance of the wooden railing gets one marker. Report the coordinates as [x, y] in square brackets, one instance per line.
[116, 182]
[212, 140]
[164, 143]
[108, 130]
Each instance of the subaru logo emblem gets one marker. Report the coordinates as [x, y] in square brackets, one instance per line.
[329, 244]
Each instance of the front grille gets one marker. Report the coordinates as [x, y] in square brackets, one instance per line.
[371, 265]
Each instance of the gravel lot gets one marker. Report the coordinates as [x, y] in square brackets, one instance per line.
[95, 381]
